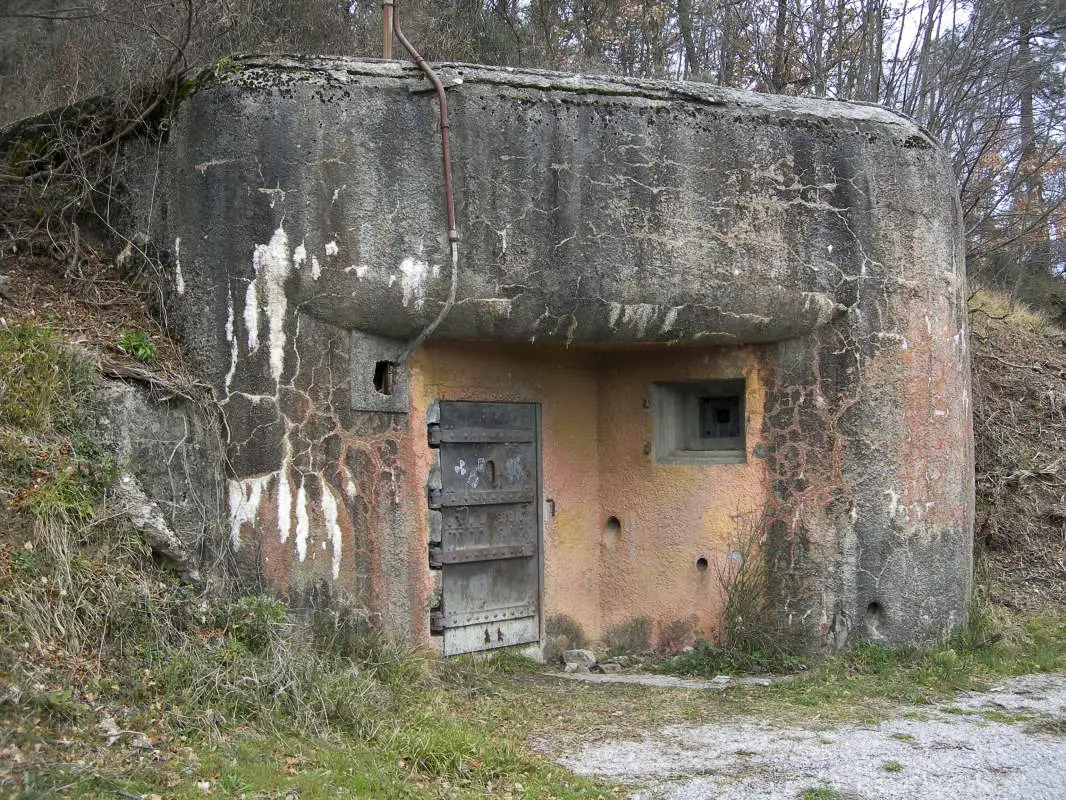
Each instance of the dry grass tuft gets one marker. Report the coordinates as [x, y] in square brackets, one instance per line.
[987, 304]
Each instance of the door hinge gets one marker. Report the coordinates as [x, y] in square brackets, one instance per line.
[435, 561]
[434, 498]
[436, 623]
[433, 434]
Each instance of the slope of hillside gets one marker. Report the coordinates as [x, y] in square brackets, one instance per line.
[1019, 369]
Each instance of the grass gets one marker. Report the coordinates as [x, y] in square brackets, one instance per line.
[996, 305]
[44, 384]
[868, 681]
[1049, 726]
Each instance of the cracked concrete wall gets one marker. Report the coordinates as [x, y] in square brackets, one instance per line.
[300, 199]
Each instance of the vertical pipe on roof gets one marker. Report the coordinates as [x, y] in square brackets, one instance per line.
[389, 13]
[386, 13]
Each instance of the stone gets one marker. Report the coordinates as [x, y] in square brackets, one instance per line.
[609, 667]
[585, 658]
[170, 484]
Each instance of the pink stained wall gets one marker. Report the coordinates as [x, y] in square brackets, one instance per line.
[596, 420]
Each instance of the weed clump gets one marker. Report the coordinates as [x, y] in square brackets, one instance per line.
[752, 638]
[44, 385]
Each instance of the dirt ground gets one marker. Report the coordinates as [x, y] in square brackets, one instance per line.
[1007, 742]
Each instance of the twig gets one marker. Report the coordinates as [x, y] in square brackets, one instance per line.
[1009, 363]
[125, 372]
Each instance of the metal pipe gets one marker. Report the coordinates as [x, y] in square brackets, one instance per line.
[449, 198]
[386, 14]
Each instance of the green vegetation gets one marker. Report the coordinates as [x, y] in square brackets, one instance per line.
[866, 681]
[44, 385]
[52, 468]
[892, 766]
[137, 344]
[707, 659]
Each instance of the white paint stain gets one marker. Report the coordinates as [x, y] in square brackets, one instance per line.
[251, 316]
[413, 281]
[331, 248]
[498, 305]
[274, 194]
[179, 279]
[284, 498]
[893, 503]
[670, 319]
[359, 270]
[616, 311]
[303, 522]
[316, 268]
[272, 265]
[232, 343]
[244, 497]
[350, 490]
[639, 315]
[333, 528]
[299, 256]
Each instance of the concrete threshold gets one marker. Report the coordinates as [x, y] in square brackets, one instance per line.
[718, 683]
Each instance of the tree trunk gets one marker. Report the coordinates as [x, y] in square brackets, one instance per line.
[684, 21]
[778, 81]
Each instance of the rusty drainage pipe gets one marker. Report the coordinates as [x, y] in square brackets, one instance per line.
[389, 13]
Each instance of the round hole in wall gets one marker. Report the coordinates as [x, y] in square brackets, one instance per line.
[612, 531]
[701, 563]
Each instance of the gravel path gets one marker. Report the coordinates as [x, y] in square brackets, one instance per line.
[1008, 742]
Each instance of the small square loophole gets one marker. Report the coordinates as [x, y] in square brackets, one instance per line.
[699, 422]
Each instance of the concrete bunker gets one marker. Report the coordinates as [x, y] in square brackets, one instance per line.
[683, 314]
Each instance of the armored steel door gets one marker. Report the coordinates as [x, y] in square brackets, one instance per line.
[488, 541]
